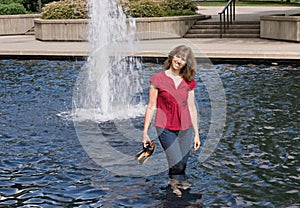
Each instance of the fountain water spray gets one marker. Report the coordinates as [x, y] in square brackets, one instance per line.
[110, 80]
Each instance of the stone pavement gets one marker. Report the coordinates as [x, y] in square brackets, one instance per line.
[226, 48]
[249, 13]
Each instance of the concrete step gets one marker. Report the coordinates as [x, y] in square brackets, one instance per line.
[199, 26]
[211, 29]
[205, 22]
[30, 32]
[228, 31]
[224, 35]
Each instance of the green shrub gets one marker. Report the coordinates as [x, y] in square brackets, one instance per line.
[77, 9]
[65, 9]
[182, 7]
[11, 1]
[148, 8]
[13, 8]
[143, 8]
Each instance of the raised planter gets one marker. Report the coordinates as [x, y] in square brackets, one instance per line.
[17, 24]
[146, 28]
[280, 27]
[61, 30]
[165, 27]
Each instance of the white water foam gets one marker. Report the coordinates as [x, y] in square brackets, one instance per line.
[110, 85]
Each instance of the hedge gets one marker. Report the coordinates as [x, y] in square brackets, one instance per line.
[65, 9]
[148, 8]
[77, 9]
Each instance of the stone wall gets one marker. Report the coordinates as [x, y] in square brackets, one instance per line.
[165, 27]
[61, 30]
[280, 27]
[17, 24]
[146, 28]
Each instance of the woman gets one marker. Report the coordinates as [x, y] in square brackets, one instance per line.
[171, 94]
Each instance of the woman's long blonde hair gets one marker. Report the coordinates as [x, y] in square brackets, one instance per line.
[187, 72]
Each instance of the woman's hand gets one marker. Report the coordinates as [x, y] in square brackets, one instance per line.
[146, 139]
[197, 142]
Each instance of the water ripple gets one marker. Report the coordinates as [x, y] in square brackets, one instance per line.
[42, 163]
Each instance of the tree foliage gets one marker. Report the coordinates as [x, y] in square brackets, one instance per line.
[9, 7]
[12, 8]
[21, 6]
[33, 5]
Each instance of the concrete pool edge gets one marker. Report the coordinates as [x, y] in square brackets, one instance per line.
[226, 48]
[160, 60]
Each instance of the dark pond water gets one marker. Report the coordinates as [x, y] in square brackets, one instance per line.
[256, 163]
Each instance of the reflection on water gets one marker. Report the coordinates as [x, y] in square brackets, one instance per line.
[43, 164]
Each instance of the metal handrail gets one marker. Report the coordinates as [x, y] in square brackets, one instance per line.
[229, 12]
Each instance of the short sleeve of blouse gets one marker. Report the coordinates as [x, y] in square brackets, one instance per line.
[192, 84]
[155, 79]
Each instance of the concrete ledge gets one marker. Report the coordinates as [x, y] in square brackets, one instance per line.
[226, 48]
[16, 24]
[165, 27]
[61, 30]
[280, 27]
[146, 28]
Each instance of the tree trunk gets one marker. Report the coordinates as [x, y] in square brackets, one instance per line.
[40, 5]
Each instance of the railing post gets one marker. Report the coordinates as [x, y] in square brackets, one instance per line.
[234, 10]
[226, 16]
[224, 23]
[221, 30]
[227, 19]
[230, 12]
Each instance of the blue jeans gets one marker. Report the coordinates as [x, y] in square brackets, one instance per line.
[177, 146]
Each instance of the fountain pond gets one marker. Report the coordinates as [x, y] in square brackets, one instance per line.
[43, 163]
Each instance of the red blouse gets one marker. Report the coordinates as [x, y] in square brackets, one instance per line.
[172, 104]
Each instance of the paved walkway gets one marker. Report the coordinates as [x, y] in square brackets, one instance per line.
[242, 48]
[250, 13]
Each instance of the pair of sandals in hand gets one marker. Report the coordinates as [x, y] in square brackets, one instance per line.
[145, 153]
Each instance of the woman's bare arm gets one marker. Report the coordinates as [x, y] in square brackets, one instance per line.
[151, 107]
[194, 117]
